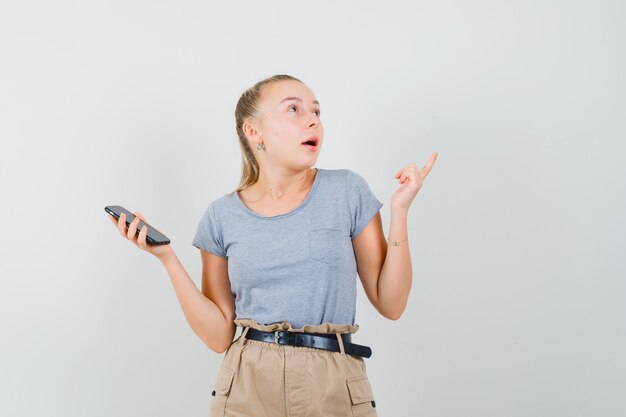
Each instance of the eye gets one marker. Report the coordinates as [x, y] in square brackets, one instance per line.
[318, 112]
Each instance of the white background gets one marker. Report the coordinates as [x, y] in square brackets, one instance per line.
[517, 236]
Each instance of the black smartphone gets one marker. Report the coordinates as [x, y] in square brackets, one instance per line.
[154, 237]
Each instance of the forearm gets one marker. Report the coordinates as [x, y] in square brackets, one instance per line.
[203, 315]
[396, 275]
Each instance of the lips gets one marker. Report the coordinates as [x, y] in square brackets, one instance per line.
[312, 141]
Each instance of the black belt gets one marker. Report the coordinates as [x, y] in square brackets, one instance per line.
[327, 341]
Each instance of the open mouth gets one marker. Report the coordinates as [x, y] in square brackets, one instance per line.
[311, 141]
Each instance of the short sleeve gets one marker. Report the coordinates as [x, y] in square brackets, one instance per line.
[362, 202]
[208, 236]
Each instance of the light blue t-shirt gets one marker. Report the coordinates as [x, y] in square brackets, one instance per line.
[299, 266]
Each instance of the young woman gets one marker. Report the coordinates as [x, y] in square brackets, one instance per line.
[280, 256]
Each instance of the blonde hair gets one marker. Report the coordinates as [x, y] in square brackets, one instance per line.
[248, 107]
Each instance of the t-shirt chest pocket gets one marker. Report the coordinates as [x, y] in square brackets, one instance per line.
[325, 245]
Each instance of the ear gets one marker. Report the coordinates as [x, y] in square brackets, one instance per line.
[251, 129]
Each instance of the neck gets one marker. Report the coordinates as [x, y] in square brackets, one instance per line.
[275, 185]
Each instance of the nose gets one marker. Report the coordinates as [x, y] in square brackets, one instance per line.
[314, 120]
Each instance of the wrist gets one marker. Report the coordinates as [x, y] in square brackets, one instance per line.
[396, 242]
[399, 211]
[167, 256]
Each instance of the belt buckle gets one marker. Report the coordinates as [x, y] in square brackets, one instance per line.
[287, 338]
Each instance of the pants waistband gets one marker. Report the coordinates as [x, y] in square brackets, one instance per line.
[336, 342]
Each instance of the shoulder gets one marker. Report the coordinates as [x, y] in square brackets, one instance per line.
[225, 201]
[345, 178]
[354, 179]
[339, 175]
[219, 205]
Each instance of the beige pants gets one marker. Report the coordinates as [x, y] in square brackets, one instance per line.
[262, 379]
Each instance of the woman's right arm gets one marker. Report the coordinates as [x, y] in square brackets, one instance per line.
[210, 313]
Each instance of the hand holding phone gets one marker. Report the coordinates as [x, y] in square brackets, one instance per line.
[153, 236]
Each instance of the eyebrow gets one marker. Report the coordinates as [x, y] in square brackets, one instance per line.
[298, 99]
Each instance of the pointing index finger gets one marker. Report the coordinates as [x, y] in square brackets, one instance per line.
[429, 164]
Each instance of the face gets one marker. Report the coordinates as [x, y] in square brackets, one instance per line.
[285, 123]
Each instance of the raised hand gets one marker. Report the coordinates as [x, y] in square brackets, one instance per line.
[411, 179]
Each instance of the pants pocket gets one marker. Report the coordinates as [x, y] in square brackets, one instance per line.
[361, 397]
[223, 383]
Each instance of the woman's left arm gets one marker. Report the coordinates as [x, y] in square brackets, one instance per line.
[385, 269]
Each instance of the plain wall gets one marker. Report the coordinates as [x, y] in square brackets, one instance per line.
[517, 237]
